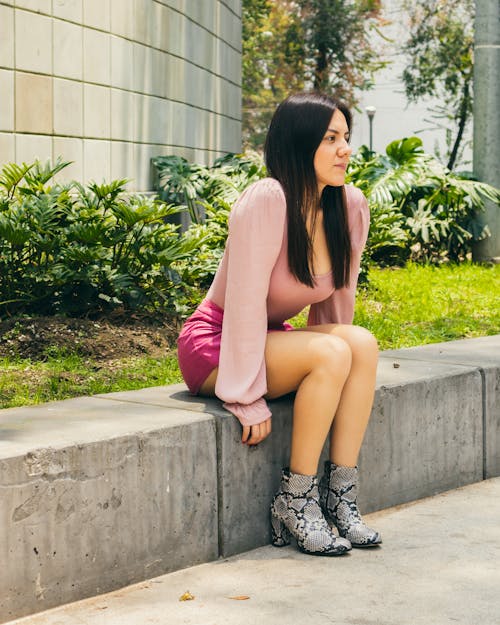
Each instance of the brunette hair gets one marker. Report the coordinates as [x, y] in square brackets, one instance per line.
[296, 130]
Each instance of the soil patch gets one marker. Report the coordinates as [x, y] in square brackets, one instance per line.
[104, 339]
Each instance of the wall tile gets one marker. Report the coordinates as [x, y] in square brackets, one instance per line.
[68, 10]
[32, 147]
[96, 111]
[41, 6]
[33, 34]
[68, 54]
[96, 56]
[199, 88]
[233, 5]
[69, 149]
[150, 70]
[134, 92]
[123, 162]
[229, 26]
[175, 40]
[68, 107]
[203, 13]
[122, 18]
[96, 160]
[159, 32]
[6, 36]
[33, 95]
[178, 71]
[6, 100]
[145, 16]
[160, 72]
[143, 167]
[175, 4]
[7, 148]
[179, 114]
[123, 115]
[122, 61]
[204, 52]
[97, 13]
[155, 123]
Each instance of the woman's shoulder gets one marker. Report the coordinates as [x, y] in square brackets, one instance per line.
[355, 197]
[359, 216]
[266, 188]
[265, 197]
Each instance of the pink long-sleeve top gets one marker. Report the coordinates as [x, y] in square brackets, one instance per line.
[254, 287]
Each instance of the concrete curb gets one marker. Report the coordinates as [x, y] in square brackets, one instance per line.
[100, 492]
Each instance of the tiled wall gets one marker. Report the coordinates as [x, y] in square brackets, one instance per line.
[110, 83]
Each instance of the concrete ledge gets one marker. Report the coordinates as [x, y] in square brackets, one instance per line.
[483, 353]
[100, 492]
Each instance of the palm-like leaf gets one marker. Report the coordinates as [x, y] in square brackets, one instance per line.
[11, 175]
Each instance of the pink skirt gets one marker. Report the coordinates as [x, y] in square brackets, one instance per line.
[198, 345]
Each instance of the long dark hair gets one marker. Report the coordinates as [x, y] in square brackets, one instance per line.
[296, 130]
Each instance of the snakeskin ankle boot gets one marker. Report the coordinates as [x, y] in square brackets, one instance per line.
[295, 510]
[338, 493]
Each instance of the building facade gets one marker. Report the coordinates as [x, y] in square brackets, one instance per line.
[108, 84]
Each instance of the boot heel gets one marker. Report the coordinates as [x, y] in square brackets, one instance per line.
[280, 536]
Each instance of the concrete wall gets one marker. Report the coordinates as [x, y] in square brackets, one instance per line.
[110, 83]
[101, 492]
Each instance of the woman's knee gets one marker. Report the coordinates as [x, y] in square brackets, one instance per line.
[363, 344]
[333, 354]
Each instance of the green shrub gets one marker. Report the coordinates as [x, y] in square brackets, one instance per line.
[211, 192]
[81, 251]
[420, 210]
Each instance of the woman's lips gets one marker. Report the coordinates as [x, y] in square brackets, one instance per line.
[341, 166]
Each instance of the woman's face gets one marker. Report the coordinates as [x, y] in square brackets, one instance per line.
[333, 153]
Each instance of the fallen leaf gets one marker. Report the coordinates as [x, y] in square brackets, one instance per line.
[396, 365]
[187, 596]
[240, 597]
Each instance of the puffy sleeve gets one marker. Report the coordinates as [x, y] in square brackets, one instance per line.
[256, 229]
[339, 306]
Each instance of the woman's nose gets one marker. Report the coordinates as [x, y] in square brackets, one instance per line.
[345, 150]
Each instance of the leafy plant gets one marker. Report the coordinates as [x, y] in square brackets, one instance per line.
[211, 191]
[81, 251]
[420, 210]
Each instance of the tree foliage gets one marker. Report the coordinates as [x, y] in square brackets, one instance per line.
[339, 48]
[290, 45]
[273, 62]
[440, 63]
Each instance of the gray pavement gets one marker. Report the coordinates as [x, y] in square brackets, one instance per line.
[439, 564]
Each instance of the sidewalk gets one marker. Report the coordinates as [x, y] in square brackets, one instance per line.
[439, 564]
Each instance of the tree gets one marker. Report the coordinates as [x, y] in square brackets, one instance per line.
[273, 62]
[440, 52]
[340, 47]
[290, 45]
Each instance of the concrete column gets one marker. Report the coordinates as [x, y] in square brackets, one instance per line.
[486, 157]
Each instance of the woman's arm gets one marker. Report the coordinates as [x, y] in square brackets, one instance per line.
[256, 230]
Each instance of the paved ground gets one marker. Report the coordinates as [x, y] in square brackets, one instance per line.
[440, 564]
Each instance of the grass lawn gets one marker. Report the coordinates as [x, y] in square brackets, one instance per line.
[425, 304]
[402, 307]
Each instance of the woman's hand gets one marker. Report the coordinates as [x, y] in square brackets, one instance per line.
[254, 434]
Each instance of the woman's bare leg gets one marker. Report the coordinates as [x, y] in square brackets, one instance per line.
[354, 408]
[317, 367]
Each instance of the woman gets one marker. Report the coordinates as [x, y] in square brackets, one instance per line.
[295, 239]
